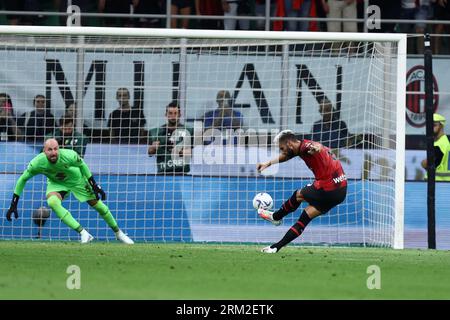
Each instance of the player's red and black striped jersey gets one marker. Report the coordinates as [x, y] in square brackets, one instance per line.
[328, 172]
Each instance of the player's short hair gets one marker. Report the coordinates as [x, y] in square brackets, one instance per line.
[123, 89]
[223, 95]
[37, 97]
[285, 136]
[8, 102]
[173, 104]
[66, 119]
[6, 96]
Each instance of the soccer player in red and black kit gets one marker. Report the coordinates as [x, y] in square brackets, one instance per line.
[328, 190]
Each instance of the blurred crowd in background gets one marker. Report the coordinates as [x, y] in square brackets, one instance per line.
[227, 14]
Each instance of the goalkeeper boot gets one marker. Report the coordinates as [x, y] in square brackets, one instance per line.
[269, 250]
[268, 215]
[123, 237]
[86, 237]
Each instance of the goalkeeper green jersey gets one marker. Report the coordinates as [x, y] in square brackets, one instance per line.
[70, 170]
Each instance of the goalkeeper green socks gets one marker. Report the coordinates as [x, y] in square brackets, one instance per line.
[103, 210]
[55, 203]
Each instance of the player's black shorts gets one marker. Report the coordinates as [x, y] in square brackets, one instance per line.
[323, 200]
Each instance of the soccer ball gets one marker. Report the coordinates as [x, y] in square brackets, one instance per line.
[262, 200]
[40, 216]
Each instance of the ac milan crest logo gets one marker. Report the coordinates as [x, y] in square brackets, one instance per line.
[415, 96]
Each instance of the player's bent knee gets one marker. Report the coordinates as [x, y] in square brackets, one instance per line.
[56, 194]
[299, 196]
[53, 201]
[313, 212]
[92, 203]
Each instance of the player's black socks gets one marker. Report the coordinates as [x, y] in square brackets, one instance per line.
[295, 231]
[289, 206]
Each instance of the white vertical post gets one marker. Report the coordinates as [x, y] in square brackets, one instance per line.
[182, 77]
[79, 86]
[168, 13]
[388, 63]
[284, 92]
[400, 146]
[267, 20]
[75, 20]
[366, 5]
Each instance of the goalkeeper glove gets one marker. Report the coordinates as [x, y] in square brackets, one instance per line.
[97, 189]
[13, 208]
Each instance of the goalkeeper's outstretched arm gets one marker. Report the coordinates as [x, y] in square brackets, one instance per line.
[21, 182]
[20, 185]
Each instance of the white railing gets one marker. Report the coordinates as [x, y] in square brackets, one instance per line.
[267, 18]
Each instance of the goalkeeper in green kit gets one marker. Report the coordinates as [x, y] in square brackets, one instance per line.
[66, 172]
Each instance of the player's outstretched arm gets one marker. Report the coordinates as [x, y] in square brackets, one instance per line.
[281, 158]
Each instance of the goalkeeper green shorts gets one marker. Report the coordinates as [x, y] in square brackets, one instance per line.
[81, 190]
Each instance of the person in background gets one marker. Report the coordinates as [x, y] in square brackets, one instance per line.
[345, 9]
[441, 10]
[415, 10]
[209, 8]
[330, 130]
[66, 173]
[122, 7]
[171, 143]
[126, 123]
[9, 130]
[181, 7]
[68, 137]
[150, 7]
[236, 8]
[36, 124]
[224, 117]
[441, 149]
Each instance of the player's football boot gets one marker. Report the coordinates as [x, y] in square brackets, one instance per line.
[86, 237]
[268, 215]
[123, 237]
[268, 249]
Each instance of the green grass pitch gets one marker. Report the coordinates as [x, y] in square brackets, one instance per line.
[38, 270]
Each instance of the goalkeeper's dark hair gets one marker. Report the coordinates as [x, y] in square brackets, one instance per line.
[285, 136]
